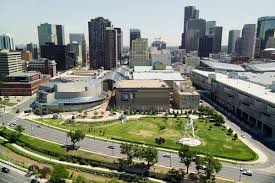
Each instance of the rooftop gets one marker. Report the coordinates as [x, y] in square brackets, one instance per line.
[142, 84]
[262, 67]
[223, 66]
[246, 87]
[151, 69]
[23, 74]
[166, 76]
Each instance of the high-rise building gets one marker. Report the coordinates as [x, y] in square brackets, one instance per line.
[209, 24]
[195, 30]
[205, 46]
[6, 42]
[264, 24]
[216, 33]
[80, 39]
[76, 48]
[134, 34]
[248, 41]
[47, 34]
[60, 53]
[60, 35]
[110, 48]
[97, 29]
[160, 45]
[119, 43]
[190, 12]
[33, 49]
[10, 62]
[232, 38]
[139, 55]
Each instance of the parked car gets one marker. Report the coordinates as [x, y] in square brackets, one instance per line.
[5, 170]
[28, 111]
[166, 155]
[111, 147]
[17, 111]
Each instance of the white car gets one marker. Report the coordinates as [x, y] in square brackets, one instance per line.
[246, 171]
[243, 136]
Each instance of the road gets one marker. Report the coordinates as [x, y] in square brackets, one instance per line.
[98, 146]
[15, 176]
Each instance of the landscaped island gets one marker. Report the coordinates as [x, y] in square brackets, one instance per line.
[215, 139]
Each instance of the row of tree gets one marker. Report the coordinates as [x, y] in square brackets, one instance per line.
[216, 117]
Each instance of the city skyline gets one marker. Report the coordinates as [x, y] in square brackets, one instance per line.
[151, 21]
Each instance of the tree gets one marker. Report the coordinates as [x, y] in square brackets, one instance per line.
[219, 119]
[59, 173]
[19, 129]
[186, 156]
[34, 169]
[80, 179]
[129, 150]
[211, 165]
[230, 131]
[95, 113]
[76, 136]
[150, 154]
[175, 175]
[44, 172]
[235, 136]
[199, 161]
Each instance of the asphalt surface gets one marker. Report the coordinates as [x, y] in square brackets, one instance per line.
[260, 171]
[14, 176]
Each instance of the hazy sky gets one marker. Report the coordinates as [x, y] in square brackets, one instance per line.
[155, 18]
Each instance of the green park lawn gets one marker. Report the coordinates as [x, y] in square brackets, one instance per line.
[214, 140]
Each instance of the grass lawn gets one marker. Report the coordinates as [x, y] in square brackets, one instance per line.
[144, 130]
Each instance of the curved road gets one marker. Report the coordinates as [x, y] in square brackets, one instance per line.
[15, 176]
[262, 173]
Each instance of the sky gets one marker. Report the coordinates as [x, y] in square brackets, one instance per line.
[155, 18]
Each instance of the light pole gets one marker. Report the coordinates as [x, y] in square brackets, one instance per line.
[240, 177]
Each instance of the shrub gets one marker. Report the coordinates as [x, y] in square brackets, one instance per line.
[235, 136]
[162, 127]
[160, 140]
[229, 131]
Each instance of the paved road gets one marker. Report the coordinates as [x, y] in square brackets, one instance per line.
[15, 176]
[99, 146]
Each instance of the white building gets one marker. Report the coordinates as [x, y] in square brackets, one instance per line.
[192, 60]
[161, 56]
[6, 42]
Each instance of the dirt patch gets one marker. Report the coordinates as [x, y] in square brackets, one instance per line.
[144, 133]
[172, 134]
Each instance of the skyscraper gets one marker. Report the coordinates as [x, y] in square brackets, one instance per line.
[216, 33]
[160, 45]
[134, 34]
[119, 43]
[6, 42]
[110, 48]
[80, 39]
[264, 24]
[139, 55]
[60, 35]
[232, 38]
[97, 29]
[33, 49]
[195, 30]
[205, 46]
[209, 24]
[248, 41]
[46, 34]
[190, 12]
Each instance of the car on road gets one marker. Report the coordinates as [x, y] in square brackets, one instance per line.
[28, 111]
[243, 136]
[5, 170]
[17, 111]
[35, 181]
[166, 155]
[12, 124]
[111, 147]
[246, 171]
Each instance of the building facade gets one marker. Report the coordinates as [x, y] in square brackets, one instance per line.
[80, 39]
[110, 48]
[96, 28]
[195, 30]
[42, 65]
[139, 55]
[205, 46]
[216, 33]
[46, 34]
[6, 42]
[22, 83]
[134, 34]
[146, 95]
[161, 56]
[209, 24]
[248, 41]
[232, 39]
[10, 62]
[33, 49]
[60, 35]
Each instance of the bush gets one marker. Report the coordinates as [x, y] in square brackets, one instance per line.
[229, 131]
[235, 136]
[160, 140]
[59, 173]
